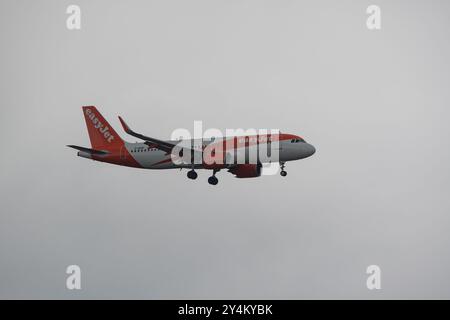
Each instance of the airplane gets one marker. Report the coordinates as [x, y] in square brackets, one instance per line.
[108, 146]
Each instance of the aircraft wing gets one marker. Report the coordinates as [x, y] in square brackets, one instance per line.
[152, 142]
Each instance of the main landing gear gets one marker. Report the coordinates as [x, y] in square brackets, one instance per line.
[192, 174]
[213, 179]
[283, 173]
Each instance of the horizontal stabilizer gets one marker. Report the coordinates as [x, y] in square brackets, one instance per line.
[89, 151]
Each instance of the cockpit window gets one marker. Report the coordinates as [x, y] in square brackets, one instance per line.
[297, 140]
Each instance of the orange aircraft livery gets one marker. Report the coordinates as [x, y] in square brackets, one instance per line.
[242, 156]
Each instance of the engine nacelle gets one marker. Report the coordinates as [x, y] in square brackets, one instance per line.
[246, 170]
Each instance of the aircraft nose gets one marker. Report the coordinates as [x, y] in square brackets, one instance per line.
[308, 150]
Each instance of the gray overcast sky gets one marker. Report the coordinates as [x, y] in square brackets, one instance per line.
[374, 103]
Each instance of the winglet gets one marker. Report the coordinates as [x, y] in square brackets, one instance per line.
[124, 125]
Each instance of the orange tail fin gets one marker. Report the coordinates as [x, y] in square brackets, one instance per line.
[102, 135]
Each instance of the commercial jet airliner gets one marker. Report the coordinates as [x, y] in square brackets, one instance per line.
[231, 153]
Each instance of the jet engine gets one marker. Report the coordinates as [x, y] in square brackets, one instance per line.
[246, 170]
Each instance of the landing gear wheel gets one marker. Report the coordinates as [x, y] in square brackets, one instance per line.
[192, 175]
[282, 172]
[213, 180]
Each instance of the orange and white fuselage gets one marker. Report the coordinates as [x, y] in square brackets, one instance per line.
[230, 153]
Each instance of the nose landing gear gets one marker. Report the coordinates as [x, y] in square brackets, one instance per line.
[283, 173]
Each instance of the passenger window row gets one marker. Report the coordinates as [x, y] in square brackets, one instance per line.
[143, 150]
